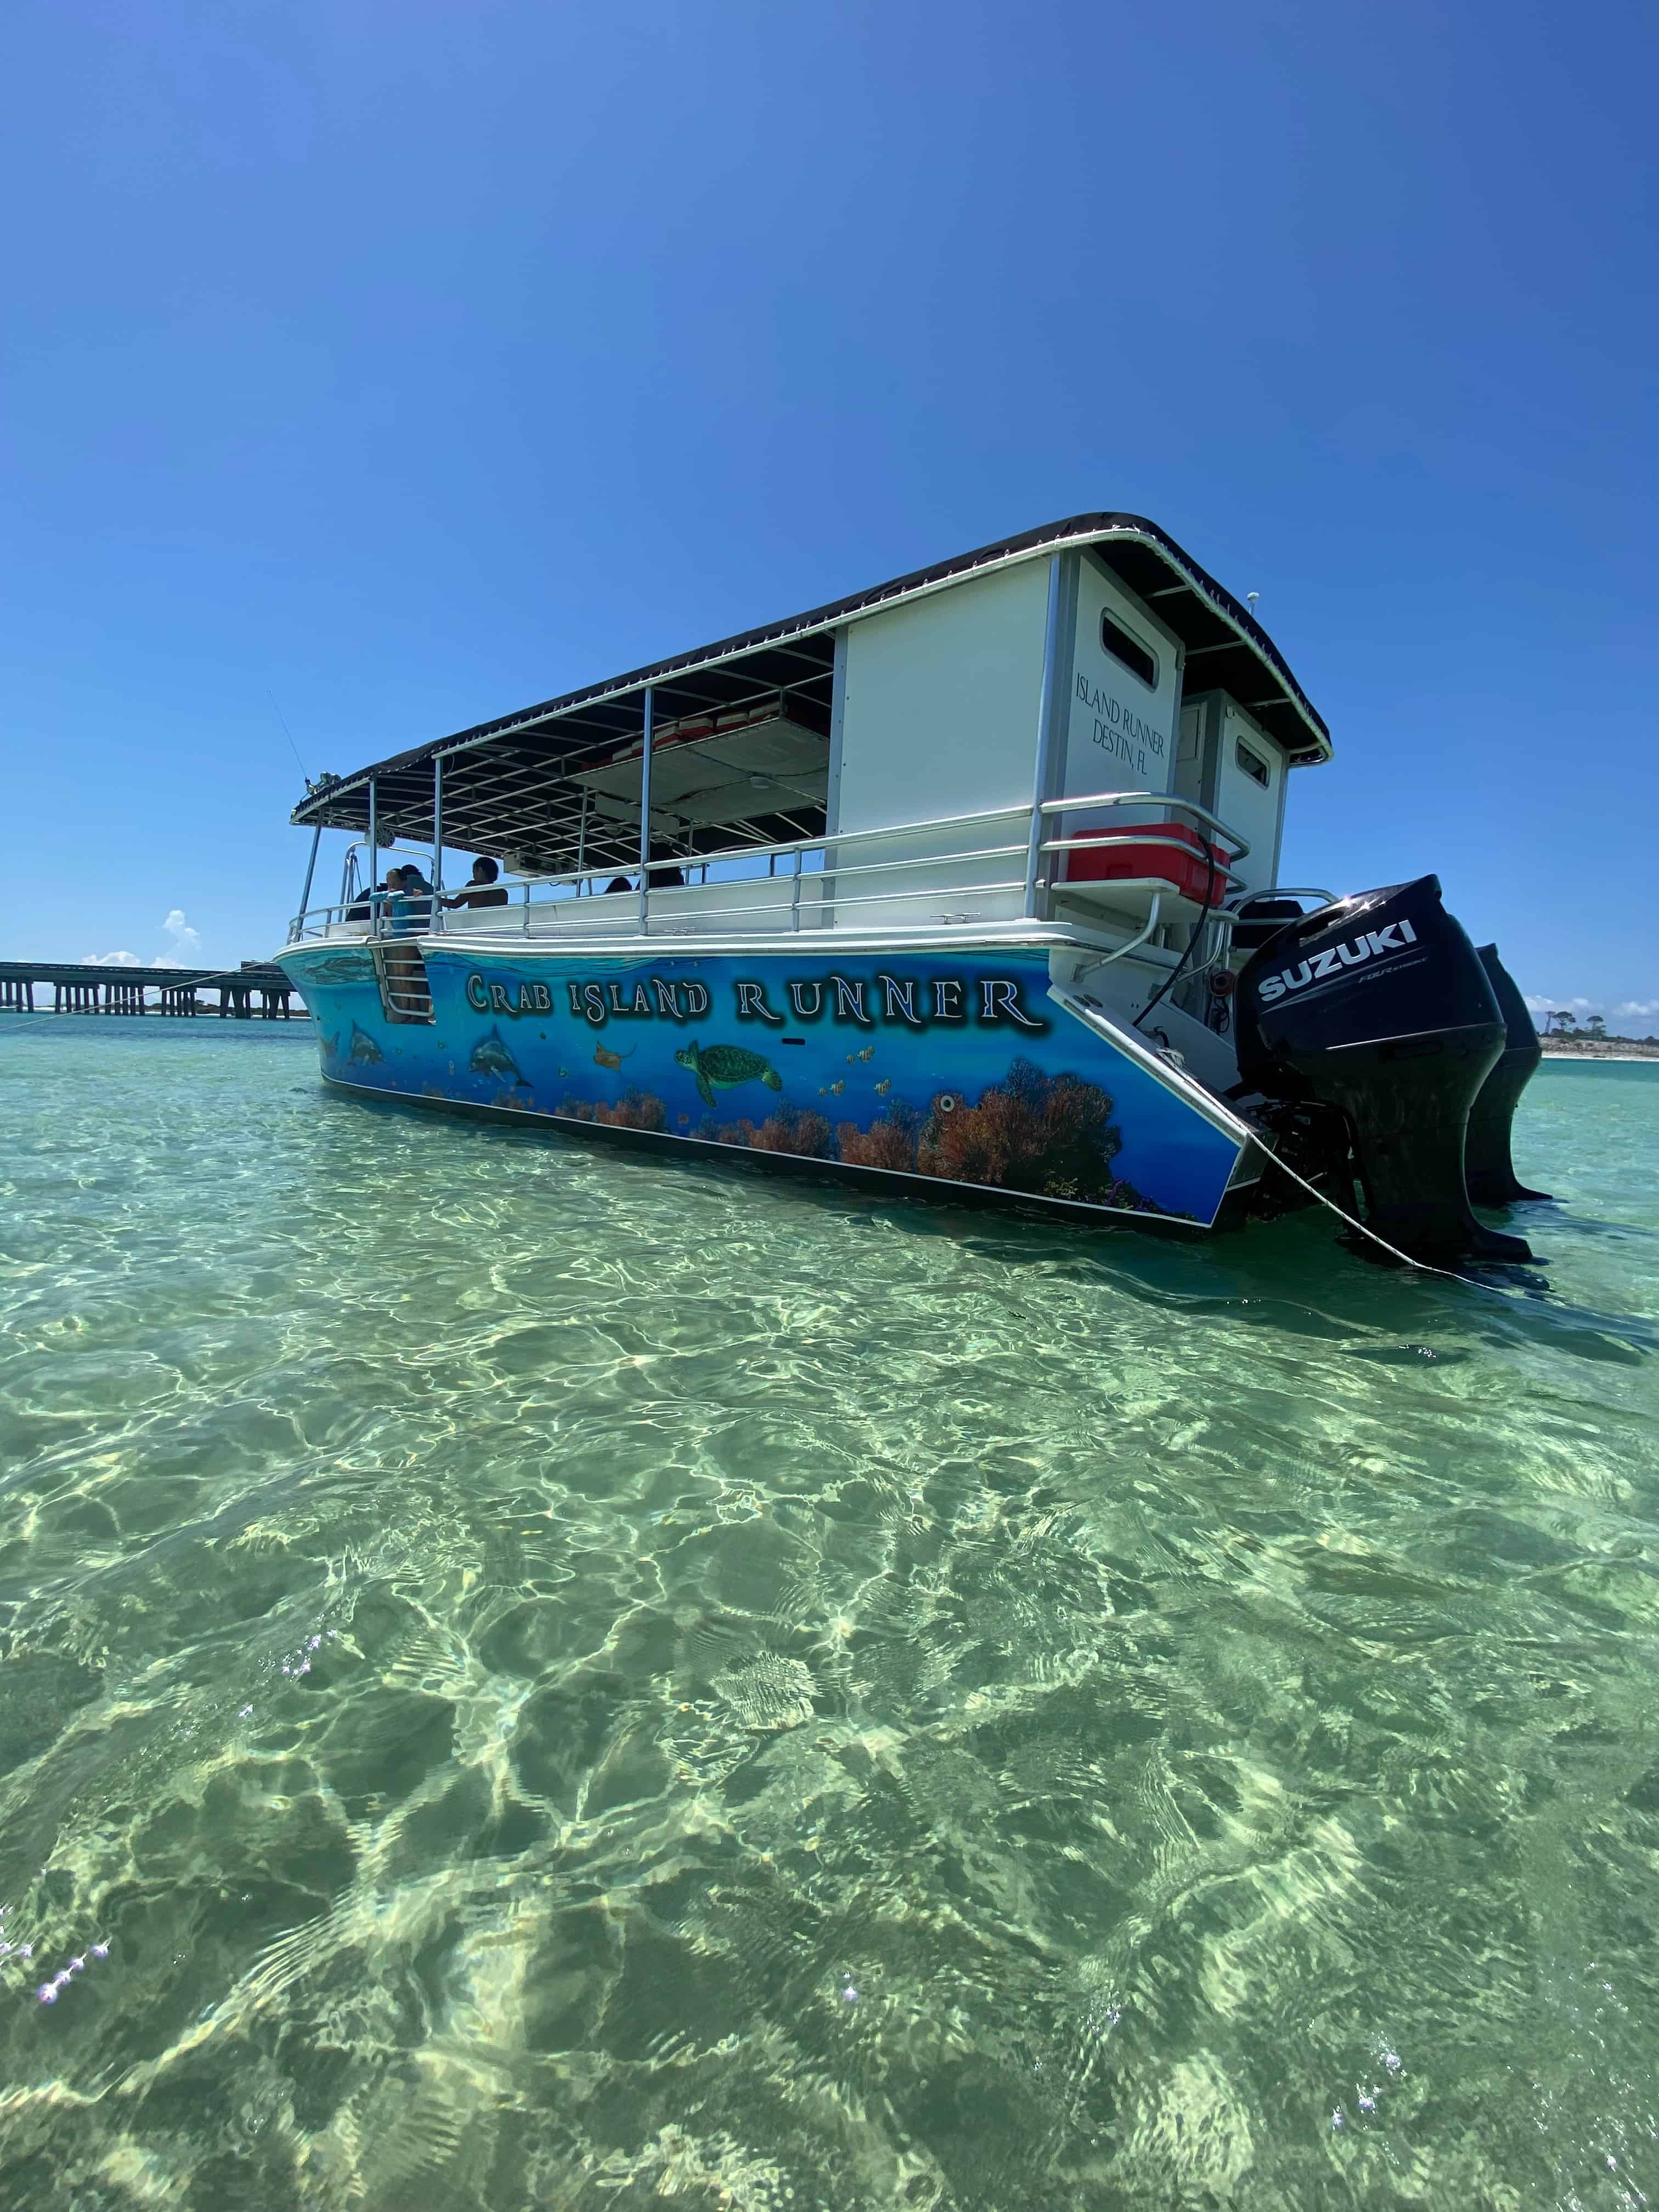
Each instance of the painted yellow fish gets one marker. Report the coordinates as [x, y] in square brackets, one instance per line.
[869, 1053]
[603, 1057]
[851, 1057]
[884, 1086]
[836, 1089]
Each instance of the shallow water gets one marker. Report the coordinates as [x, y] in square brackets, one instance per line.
[563, 1681]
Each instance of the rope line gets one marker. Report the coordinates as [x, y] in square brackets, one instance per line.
[1425, 1267]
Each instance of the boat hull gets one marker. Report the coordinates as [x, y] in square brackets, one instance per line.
[946, 1070]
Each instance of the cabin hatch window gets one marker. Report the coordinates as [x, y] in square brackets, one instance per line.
[1129, 650]
[1252, 764]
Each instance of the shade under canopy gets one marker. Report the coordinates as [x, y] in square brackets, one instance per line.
[747, 711]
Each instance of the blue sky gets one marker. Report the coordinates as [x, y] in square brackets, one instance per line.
[379, 370]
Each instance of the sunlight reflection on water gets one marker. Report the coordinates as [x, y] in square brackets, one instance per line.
[534, 1677]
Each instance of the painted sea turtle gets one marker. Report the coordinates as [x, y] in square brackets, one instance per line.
[721, 1067]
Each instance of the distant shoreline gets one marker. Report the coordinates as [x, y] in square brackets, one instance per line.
[1644, 1054]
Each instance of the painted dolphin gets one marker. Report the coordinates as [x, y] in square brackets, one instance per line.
[489, 1056]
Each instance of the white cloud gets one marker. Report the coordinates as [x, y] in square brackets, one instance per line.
[1643, 1009]
[183, 948]
[186, 943]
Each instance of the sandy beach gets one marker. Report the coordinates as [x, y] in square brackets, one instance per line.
[1590, 1052]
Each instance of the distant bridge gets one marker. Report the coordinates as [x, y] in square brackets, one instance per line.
[83, 986]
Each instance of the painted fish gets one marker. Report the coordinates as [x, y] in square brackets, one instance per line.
[851, 1057]
[564, 1072]
[604, 1057]
[836, 1089]
[364, 1050]
[489, 1056]
[721, 1067]
[869, 1053]
[884, 1086]
[332, 1046]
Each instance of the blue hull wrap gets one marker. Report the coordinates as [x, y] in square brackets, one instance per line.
[955, 1067]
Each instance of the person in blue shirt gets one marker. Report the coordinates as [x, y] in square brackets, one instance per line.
[411, 904]
[407, 906]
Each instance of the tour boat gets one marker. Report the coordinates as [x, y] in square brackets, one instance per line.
[964, 886]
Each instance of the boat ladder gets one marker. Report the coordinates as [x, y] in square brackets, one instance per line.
[405, 993]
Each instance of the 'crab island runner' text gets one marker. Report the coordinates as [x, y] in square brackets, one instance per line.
[858, 1001]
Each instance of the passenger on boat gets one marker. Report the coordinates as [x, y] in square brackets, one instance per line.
[483, 889]
[618, 884]
[363, 905]
[410, 911]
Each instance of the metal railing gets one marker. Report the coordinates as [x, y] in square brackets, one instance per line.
[566, 901]
[405, 994]
[1292, 890]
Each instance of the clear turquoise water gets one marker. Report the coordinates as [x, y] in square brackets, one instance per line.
[568, 1682]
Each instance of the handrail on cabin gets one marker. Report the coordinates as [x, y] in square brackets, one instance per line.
[322, 919]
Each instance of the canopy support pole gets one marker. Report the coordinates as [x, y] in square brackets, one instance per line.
[645, 817]
[311, 870]
[1046, 718]
[436, 921]
[374, 861]
[581, 842]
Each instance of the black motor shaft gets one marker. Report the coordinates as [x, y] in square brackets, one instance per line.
[1379, 1005]
[1488, 1164]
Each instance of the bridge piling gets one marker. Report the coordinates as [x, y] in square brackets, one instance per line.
[81, 987]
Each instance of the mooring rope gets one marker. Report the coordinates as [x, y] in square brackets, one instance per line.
[1423, 1267]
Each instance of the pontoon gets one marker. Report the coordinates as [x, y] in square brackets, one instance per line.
[966, 884]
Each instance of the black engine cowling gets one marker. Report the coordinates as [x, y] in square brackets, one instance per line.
[1488, 1165]
[1379, 1005]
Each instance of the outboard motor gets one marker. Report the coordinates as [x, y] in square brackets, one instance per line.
[1379, 1005]
[1488, 1168]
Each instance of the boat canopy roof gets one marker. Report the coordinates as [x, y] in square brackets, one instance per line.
[520, 784]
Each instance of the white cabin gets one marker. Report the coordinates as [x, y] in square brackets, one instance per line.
[900, 763]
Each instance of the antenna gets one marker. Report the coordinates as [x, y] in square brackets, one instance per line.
[287, 733]
[1251, 598]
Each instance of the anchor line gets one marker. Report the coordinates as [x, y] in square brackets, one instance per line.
[1425, 1267]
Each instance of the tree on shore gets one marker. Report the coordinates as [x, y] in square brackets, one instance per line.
[1563, 1017]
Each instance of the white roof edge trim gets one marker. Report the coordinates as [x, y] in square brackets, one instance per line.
[624, 689]
[449, 749]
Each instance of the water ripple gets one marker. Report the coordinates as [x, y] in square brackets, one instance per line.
[532, 1678]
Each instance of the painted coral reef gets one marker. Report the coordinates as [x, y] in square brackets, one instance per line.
[1050, 1136]
[635, 1109]
[1053, 1136]
[794, 1129]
